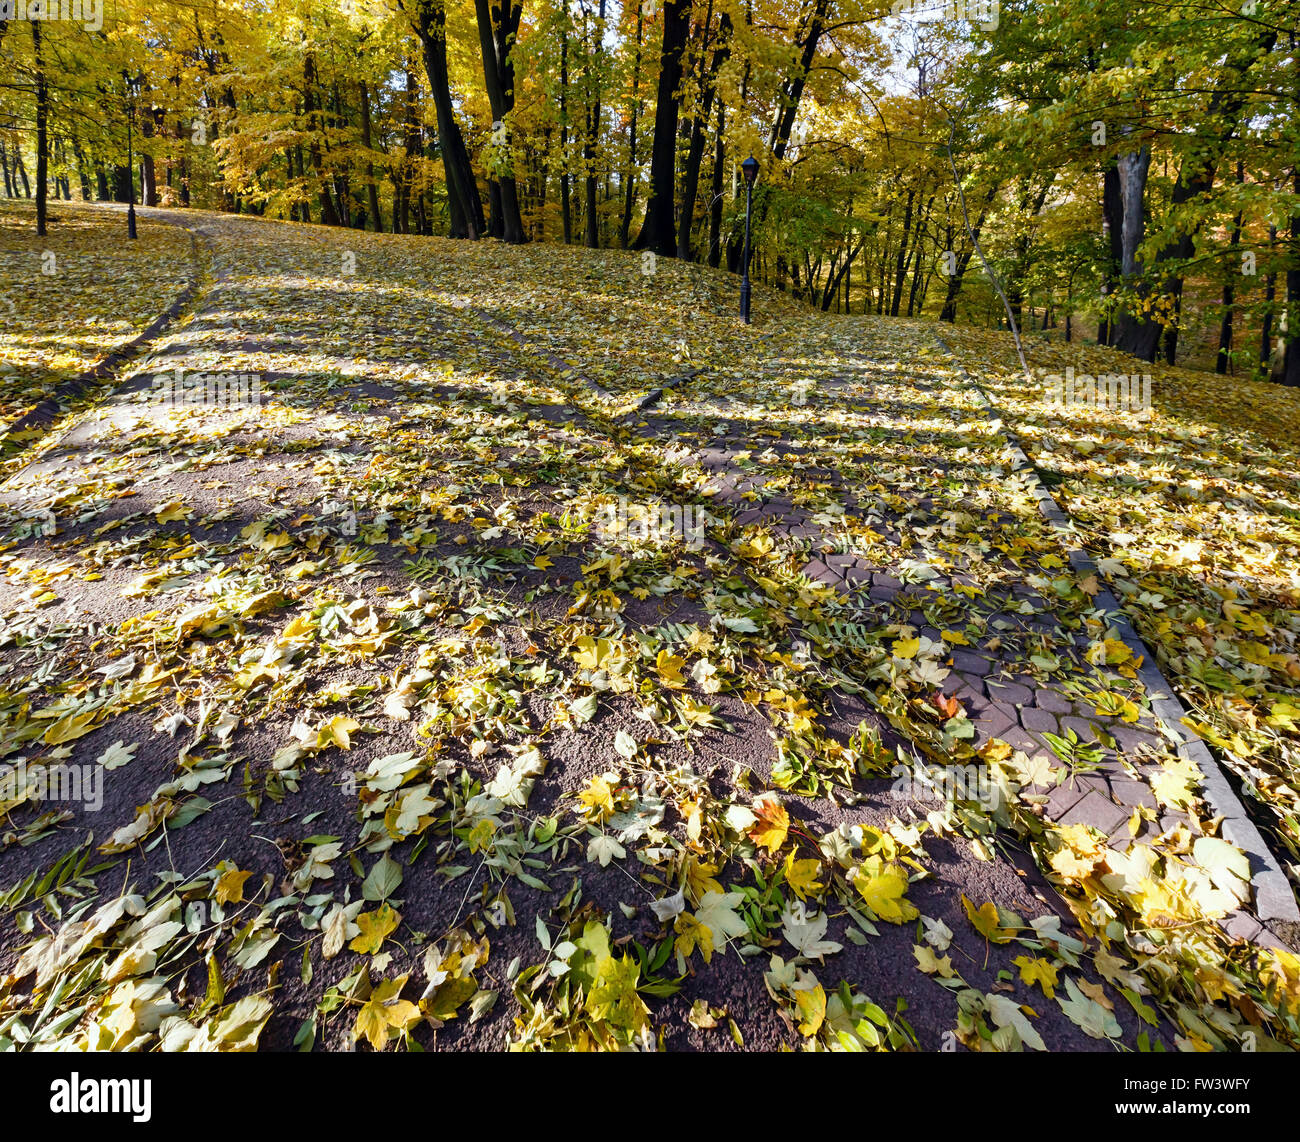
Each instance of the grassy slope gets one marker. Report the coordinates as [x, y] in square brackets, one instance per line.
[101, 290]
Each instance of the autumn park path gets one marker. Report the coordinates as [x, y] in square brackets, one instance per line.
[435, 676]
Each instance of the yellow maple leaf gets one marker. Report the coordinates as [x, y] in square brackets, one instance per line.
[598, 798]
[811, 1002]
[754, 548]
[337, 731]
[1080, 854]
[172, 511]
[906, 647]
[375, 927]
[995, 749]
[882, 886]
[773, 823]
[930, 963]
[71, 727]
[691, 934]
[591, 652]
[669, 667]
[1281, 971]
[699, 878]
[384, 1014]
[694, 815]
[230, 885]
[1036, 970]
[801, 875]
[985, 920]
[1172, 786]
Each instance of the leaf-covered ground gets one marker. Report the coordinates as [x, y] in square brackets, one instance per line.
[1195, 510]
[445, 699]
[73, 297]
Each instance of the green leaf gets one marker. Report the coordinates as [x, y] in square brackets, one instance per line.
[384, 879]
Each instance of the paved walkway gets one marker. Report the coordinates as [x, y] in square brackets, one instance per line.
[1025, 710]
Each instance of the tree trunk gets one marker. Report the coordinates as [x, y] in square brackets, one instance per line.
[1030, 208]
[42, 116]
[901, 268]
[657, 230]
[1134, 334]
[1112, 209]
[916, 269]
[629, 188]
[148, 176]
[82, 177]
[372, 191]
[311, 107]
[695, 153]
[61, 188]
[792, 87]
[592, 235]
[1266, 329]
[948, 312]
[566, 209]
[498, 25]
[1195, 178]
[411, 148]
[1291, 364]
[467, 212]
[1224, 355]
[832, 289]
[735, 240]
[715, 199]
[229, 200]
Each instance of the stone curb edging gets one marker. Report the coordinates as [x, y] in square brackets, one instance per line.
[645, 400]
[602, 394]
[1274, 898]
[47, 411]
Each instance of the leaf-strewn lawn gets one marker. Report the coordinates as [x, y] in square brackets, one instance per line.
[71, 298]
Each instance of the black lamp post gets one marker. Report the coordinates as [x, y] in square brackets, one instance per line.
[130, 159]
[750, 169]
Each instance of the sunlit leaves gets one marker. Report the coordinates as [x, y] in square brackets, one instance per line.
[773, 822]
[375, 927]
[883, 887]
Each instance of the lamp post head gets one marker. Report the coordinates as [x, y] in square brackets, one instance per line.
[750, 169]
